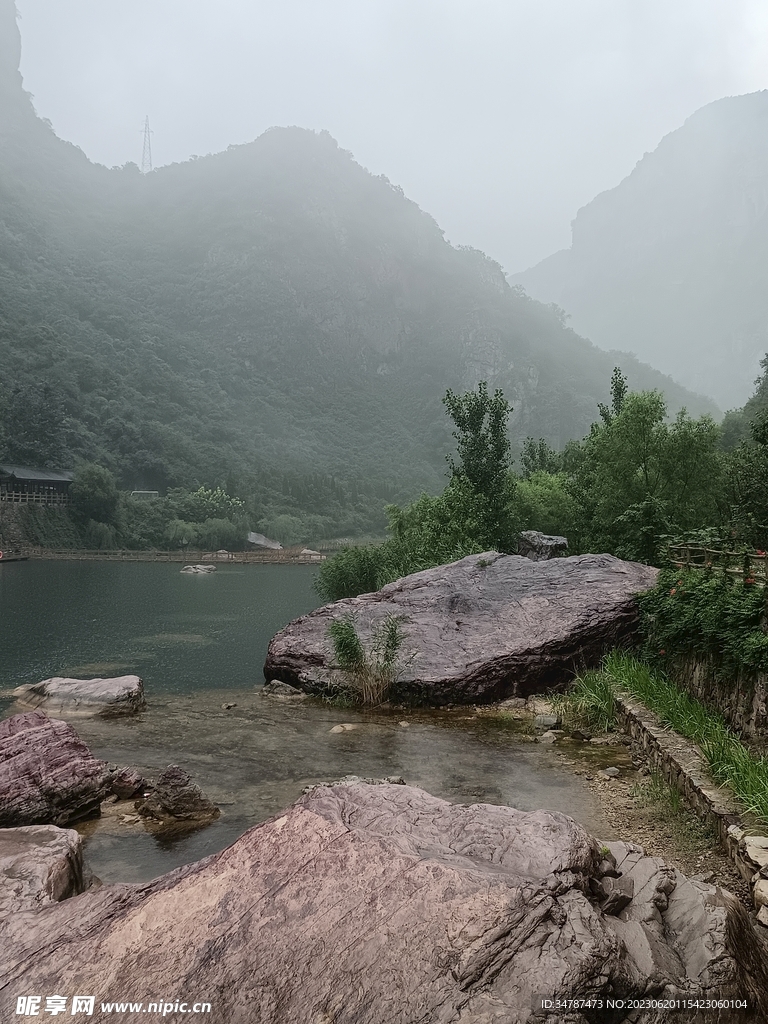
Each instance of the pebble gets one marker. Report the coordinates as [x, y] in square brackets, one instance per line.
[404, 724]
[345, 727]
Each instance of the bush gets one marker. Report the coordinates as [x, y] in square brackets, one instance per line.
[94, 494]
[706, 613]
[370, 673]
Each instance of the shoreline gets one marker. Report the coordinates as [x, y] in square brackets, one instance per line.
[286, 557]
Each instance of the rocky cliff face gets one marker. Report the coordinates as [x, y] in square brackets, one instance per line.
[673, 263]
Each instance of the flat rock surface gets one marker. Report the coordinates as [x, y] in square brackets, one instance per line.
[484, 628]
[39, 864]
[47, 774]
[379, 904]
[121, 695]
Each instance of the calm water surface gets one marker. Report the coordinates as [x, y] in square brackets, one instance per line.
[199, 642]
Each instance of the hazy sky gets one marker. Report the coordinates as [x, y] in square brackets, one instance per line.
[499, 117]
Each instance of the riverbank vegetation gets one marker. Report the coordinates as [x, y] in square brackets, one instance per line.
[730, 761]
[370, 670]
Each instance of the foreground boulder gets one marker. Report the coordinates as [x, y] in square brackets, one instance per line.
[484, 628]
[47, 774]
[175, 802]
[39, 865]
[121, 695]
[379, 904]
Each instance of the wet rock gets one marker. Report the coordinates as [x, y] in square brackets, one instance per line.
[121, 695]
[228, 707]
[383, 905]
[345, 727]
[513, 704]
[760, 893]
[540, 546]
[39, 864]
[198, 568]
[481, 629]
[550, 736]
[176, 801]
[581, 737]
[610, 772]
[126, 782]
[47, 774]
[546, 722]
[274, 688]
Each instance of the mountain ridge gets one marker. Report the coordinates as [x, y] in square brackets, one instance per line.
[672, 263]
[266, 317]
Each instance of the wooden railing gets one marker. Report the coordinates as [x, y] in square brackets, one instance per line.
[750, 566]
[35, 497]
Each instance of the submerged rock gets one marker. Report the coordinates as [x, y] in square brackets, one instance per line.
[383, 905]
[39, 864]
[481, 629]
[175, 801]
[120, 695]
[47, 774]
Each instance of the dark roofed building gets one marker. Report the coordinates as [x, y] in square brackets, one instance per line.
[26, 485]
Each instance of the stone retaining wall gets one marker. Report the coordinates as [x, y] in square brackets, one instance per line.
[741, 700]
[679, 762]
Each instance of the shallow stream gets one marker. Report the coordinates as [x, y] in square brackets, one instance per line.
[199, 643]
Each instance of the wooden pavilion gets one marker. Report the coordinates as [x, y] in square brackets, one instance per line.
[26, 485]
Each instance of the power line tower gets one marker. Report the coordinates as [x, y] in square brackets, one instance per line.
[146, 156]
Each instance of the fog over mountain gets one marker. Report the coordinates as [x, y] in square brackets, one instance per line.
[273, 315]
[672, 264]
[500, 117]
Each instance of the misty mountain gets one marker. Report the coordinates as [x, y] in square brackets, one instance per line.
[672, 264]
[273, 318]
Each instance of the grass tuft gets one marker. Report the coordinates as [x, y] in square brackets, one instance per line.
[370, 673]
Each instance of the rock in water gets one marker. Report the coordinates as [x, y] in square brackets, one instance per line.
[176, 802]
[484, 628]
[39, 864]
[126, 782]
[47, 774]
[383, 905]
[540, 546]
[121, 695]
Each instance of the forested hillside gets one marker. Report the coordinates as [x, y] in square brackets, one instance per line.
[273, 318]
[673, 263]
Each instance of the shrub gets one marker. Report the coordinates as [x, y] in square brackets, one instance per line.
[705, 613]
[370, 673]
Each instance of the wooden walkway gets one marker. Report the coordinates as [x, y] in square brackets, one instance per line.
[287, 556]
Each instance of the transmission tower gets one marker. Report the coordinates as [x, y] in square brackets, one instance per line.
[146, 156]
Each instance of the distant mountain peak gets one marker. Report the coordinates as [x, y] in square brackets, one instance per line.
[672, 263]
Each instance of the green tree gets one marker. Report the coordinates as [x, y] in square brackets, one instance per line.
[34, 427]
[482, 474]
[94, 494]
[640, 478]
[538, 456]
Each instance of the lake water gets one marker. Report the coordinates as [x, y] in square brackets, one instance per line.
[199, 642]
